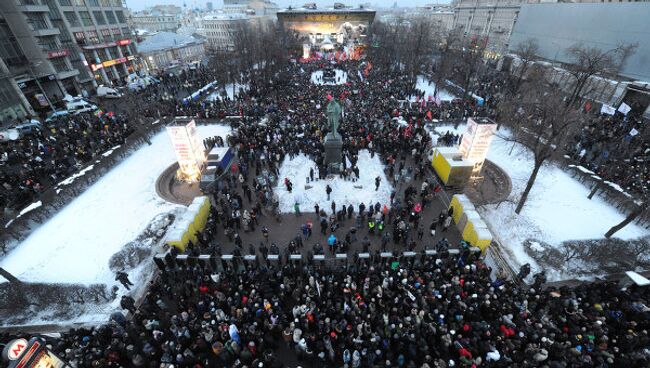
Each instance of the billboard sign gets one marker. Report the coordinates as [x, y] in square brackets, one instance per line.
[21, 353]
[476, 141]
[189, 150]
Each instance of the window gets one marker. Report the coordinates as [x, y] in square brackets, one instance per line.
[126, 31]
[72, 19]
[92, 37]
[120, 16]
[116, 31]
[9, 48]
[79, 2]
[64, 36]
[93, 2]
[111, 17]
[48, 43]
[99, 17]
[65, 3]
[85, 18]
[59, 64]
[37, 21]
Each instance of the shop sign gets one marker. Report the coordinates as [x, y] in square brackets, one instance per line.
[57, 53]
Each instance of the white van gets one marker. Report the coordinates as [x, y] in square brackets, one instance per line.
[107, 92]
[77, 105]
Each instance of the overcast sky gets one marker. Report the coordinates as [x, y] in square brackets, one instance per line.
[141, 4]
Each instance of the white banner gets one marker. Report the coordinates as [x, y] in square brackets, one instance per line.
[606, 109]
[624, 108]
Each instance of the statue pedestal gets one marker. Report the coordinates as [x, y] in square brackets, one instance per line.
[333, 147]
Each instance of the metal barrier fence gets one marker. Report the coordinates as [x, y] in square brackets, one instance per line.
[231, 263]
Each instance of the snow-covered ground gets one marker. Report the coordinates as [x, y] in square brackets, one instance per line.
[75, 245]
[341, 77]
[557, 208]
[429, 88]
[343, 192]
[218, 94]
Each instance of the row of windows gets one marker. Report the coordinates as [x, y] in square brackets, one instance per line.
[86, 19]
[91, 37]
[9, 48]
[220, 34]
[216, 26]
[104, 3]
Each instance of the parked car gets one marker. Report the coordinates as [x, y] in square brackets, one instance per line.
[77, 105]
[107, 92]
[27, 127]
[56, 116]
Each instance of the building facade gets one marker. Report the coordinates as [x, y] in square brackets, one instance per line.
[251, 7]
[167, 49]
[101, 37]
[490, 21]
[219, 29]
[557, 27]
[155, 22]
[339, 25]
[441, 15]
[36, 61]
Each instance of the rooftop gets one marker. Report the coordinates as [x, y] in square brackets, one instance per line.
[166, 40]
[225, 16]
[326, 10]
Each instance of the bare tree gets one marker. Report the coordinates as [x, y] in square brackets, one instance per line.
[541, 123]
[527, 52]
[640, 208]
[444, 65]
[588, 61]
[468, 57]
[418, 44]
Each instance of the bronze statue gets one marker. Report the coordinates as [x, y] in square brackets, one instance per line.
[333, 112]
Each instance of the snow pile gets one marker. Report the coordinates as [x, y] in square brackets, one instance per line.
[110, 151]
[429, 89]
[341, 77]
[75, 245]
[343, 192]
[557, 208]
[79, 174]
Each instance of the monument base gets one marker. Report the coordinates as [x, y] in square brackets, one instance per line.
[333, 147]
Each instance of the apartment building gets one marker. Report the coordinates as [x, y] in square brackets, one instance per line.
[37, 66]
[98, 32]
[156, 22]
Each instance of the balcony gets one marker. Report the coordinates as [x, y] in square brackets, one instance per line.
[46, 32]
[67, 74]
[34, 8]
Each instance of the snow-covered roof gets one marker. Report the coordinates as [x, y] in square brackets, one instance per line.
[232, 16]
[166, 40]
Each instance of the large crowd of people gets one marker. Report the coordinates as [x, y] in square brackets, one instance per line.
[616, 149]
[443, 311]
[54, 151]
